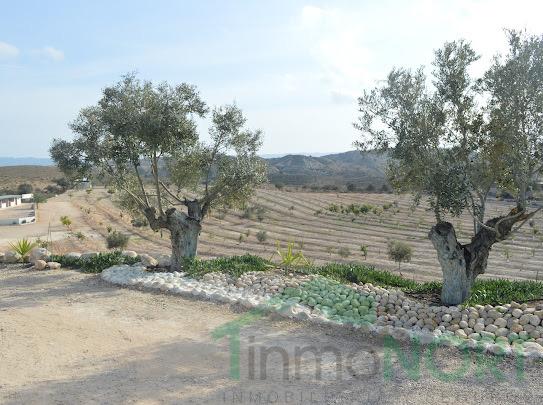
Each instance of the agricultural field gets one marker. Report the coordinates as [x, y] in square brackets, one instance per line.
[305, 218]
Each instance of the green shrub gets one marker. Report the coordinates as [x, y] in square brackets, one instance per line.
[80, 236]
[139, 222]
[364, 251]
[23, 248]
[290, 258]
[95, 264]
[117, 240]
[355, 209]
[261, 236]
[42, 243]
[66, 222]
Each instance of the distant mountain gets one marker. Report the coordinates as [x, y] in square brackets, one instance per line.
[338, 169]
[25, 161]
[278, 155]
[360, 169]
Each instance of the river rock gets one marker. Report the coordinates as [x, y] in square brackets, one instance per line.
[88, 255]
[534, 320]
[148, 261]
[129, 253]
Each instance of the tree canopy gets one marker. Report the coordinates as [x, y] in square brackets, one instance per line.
[452, 137]
[145, 139]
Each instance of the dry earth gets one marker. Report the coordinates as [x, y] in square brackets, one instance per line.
[68, 338]
[295, 216]
[302, 217]
[39, 176]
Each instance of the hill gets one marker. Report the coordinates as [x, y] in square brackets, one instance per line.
[39, 176]
[360, 169]
[339, 169]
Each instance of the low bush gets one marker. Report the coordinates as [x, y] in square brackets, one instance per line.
[290, 258]
[95, 264]
[117, 240]
[80, 236]
[235, 265]
[355, 209]
[139, 222]
[66, 222]
[261, 236]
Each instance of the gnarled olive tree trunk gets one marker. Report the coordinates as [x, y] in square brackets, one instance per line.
[184, 230]
[461, 264]
[184, 233]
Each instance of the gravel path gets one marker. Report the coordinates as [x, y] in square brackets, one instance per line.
[67, 338]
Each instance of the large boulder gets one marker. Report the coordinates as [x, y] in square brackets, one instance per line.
[40, 264]
[73, 255]
[12, 257]
[38, 253]
[148, 261]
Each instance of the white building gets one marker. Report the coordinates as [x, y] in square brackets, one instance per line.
[27, 198]
[10, 201]
[83, 184]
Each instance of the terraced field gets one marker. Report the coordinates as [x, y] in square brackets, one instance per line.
[302, 217]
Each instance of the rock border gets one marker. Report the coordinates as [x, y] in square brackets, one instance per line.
[492, 327]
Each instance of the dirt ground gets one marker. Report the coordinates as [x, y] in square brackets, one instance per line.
[48, 224]
[69, 338]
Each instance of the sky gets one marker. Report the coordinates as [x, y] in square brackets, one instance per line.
[294, 67]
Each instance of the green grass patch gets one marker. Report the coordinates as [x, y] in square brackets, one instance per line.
[360, 274]
[234, 265]
[95, 264]
[503, 291]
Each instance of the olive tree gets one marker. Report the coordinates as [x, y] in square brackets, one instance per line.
[144, 138]
[453, 138]
[399, 252]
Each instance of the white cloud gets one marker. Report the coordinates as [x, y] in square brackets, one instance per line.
[335, 38]
[311, 15]
[8, 51]
[50, 53]
[356, 45]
